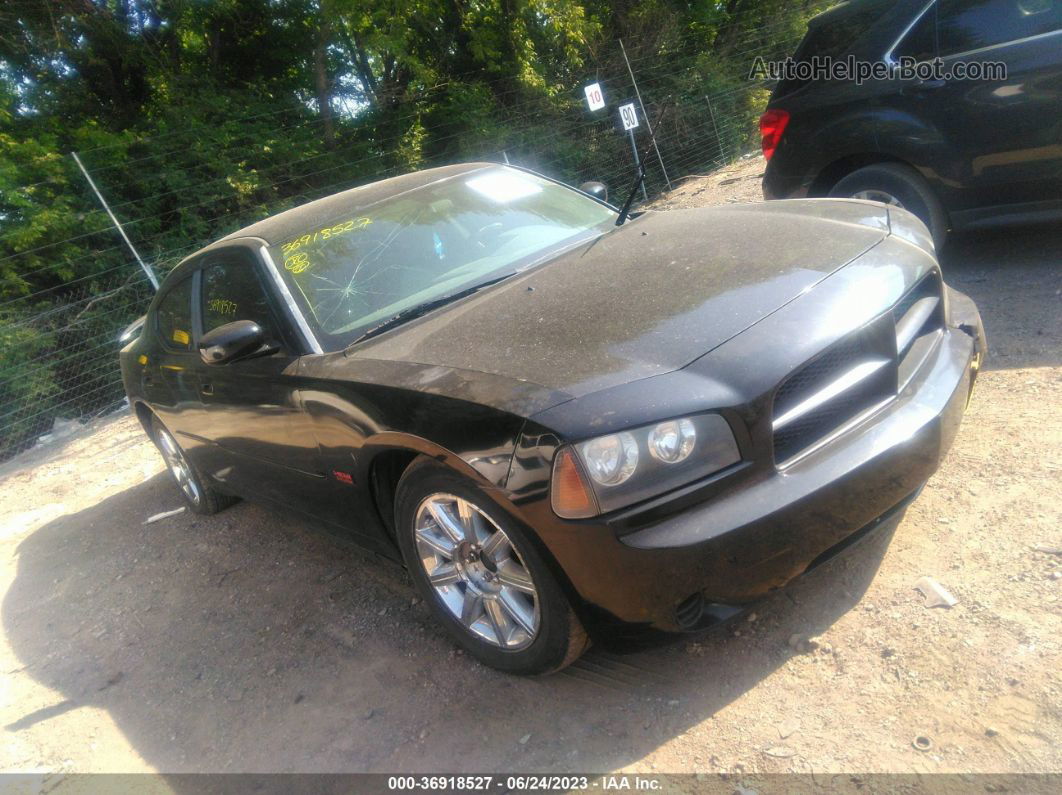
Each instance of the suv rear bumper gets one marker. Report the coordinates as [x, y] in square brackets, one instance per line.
[777, 184]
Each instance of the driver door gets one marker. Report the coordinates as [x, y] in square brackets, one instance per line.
[251, 412]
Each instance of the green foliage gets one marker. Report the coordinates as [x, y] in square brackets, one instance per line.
[196, 118]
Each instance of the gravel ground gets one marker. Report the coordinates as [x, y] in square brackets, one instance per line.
[249, 642]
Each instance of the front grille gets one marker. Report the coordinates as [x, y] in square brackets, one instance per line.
[857, 374]
[919, 318]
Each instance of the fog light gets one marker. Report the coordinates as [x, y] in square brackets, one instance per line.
[672, 442]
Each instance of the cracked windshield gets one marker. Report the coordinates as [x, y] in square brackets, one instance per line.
[363, 268]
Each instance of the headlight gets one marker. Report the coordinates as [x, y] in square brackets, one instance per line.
[620, 469]
[611, 459]
[672, 442]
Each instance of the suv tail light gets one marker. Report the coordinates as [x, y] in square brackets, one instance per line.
[772, 126]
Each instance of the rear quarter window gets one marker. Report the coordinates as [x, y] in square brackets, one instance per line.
[921, 41]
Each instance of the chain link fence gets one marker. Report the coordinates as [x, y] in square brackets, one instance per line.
[59, 345]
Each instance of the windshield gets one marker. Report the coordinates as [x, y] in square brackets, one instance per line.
[357, 270]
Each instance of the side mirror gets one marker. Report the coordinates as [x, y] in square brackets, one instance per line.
[132, 331]
[596, 189]
[231, 341]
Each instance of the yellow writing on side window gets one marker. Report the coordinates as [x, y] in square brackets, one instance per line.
[182, 337]
[222, 306]
[296, 258]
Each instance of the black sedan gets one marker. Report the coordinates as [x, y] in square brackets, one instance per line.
[565, 427]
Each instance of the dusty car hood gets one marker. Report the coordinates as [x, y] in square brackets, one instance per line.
[647, 298]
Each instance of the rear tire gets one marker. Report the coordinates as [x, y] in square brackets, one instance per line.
[481, 575]
[899, 185]
[197, 491]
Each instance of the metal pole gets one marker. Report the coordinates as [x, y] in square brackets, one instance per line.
[506, 156]
[641, 104]
[715, 127]
[637, 163]
[147, 268]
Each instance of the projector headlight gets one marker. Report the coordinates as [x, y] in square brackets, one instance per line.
[612, 459]
[620, 469]
[672, 442]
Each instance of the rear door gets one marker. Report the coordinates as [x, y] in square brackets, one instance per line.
[1007, 133]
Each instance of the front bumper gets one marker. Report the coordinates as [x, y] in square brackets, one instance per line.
[737, 548]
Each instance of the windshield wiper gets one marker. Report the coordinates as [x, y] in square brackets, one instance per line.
[626, 209]
[422, 309]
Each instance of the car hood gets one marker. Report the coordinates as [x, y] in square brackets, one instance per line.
[646, 298]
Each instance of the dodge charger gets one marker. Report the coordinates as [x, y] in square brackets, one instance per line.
[568, 422]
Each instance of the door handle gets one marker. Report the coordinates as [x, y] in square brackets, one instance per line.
[207, 389]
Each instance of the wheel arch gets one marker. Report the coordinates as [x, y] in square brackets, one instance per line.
[386, 457]
[144, 415]
[840, 168]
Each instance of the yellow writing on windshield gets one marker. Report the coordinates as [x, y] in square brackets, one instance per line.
[298, 262]
[296, 256]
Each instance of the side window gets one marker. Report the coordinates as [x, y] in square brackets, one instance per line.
[173, 317]
[920, 42]
[833, 36]
[966, 25]
[231, 291]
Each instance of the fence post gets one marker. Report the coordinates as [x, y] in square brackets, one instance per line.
[147, 268]
[718, 138]
[648, 123]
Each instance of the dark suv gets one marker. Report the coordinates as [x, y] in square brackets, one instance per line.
[958, 153]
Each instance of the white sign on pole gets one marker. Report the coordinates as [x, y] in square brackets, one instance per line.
[629, 116]
[595, 98]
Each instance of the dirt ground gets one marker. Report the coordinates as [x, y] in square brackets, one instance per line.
[250, 642]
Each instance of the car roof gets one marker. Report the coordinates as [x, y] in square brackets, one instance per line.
[291, 223]
[845, 9]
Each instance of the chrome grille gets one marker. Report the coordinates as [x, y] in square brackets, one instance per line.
[857, 374]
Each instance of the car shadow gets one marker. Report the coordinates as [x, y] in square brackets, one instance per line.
[1015, 278]
[249, 642]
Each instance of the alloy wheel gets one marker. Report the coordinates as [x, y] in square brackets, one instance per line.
[882, 196]
[179, 467]
[477, 574]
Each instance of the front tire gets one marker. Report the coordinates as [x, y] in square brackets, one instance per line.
[900, 186]
[481, 576]
[196, 490]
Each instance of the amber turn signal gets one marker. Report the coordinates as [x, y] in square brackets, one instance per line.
[571, 496]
